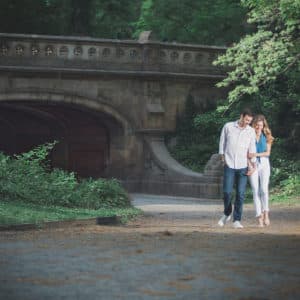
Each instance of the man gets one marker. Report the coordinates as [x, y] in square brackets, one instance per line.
[236, 142]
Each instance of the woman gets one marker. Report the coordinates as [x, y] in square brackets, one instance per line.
[259, 179]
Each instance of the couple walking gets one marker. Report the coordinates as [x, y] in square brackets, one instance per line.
[245, 152]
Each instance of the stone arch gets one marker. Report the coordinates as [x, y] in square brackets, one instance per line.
[13, 117]
[67, 98]
[116, 130]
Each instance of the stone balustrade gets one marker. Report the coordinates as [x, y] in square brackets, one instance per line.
[90, 54]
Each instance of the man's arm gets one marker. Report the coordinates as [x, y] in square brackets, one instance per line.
[252, 147]
[222, 143]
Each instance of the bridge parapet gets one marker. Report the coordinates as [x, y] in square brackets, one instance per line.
[20, 51]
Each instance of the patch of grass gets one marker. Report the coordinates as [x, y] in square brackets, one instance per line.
[285, 200]
[276, 197]
[21, 213]
[32, 192]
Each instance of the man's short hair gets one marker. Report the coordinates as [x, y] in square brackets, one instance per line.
[247, 112]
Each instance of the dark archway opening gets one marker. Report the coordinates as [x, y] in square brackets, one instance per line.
[83, 137]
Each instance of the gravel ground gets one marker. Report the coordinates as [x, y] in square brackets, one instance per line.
[175, 251]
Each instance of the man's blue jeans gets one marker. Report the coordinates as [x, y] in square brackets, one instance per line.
[239, 178]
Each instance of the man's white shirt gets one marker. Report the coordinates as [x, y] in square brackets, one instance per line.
[236, 143]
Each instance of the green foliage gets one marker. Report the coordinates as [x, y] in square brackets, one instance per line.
[291, 185]
[100, 18]
[190, 21]
[186, 150]
[36, 16]
[283, 165]
[185, 21]
[197, 136]
[273, 50]
[193, 156]
[185, 127]
[27, 177]
[114, 18]
[288, 190]
[211, 123]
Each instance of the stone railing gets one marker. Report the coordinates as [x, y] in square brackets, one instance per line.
[20, 51]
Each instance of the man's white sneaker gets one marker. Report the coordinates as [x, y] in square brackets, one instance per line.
[237, 224]
[223, 220]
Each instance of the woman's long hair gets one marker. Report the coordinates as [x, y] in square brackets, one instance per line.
[266, 130]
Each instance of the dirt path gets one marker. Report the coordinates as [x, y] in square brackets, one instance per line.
[175, 251]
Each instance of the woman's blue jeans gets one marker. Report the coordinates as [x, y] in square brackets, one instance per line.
[238, 178]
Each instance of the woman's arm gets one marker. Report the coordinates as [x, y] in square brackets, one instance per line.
[251, 167]
[261, 154]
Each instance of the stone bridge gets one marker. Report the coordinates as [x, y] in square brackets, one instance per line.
[109, 103]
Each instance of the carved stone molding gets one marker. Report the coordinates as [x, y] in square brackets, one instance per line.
[35, 50]
[49, 50]
[20, 50]
[78, 51]
[118, 55]
[4, 49]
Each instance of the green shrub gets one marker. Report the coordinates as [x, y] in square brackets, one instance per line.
[197, 135]
[285, 170]
[27, 177]
[283, 164]
[288, 190]
[192, 156]
[291, 185]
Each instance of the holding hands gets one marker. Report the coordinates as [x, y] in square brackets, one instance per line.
[251, 165]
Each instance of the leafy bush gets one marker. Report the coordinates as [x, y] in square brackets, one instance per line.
[197, 136]
[291, 185]
[194, 156]
[287, 190]
[285, 170]
[27, 177]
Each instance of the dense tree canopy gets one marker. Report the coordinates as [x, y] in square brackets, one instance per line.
[35, 16]
[218, 22]
[98, 18]
[272, 51]
[115, 18]
[265, 68]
